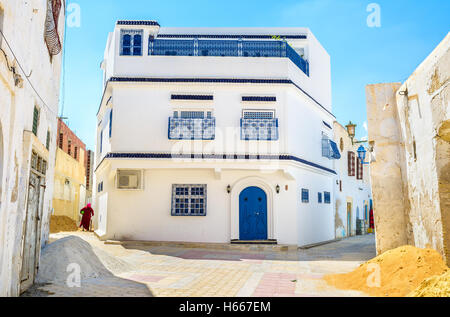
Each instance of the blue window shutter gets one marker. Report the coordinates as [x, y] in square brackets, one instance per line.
[110, 123]
[101, 141]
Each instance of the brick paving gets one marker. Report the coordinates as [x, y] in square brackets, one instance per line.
[194, 272]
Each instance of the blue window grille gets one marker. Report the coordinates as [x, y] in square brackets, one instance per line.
[319, 197]
[192, 128]
[192, 114]
[110, 123]
[131, 42]
[259, 125]
[330, 149]
[192, 97]
[327, 197]
[305, 195]
[188, 200]
[259, 98]
[221, 47]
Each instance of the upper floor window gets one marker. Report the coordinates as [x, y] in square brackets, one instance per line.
[131, 42]
[305, 195]
[35, 120]
[75, 152]
[47, 141]
[351, 163]
[61, 139]
[327, 197]
[319, 198]
[110, 123]
[69, 147]
[329, 148]
[259, 125]
[359, 169]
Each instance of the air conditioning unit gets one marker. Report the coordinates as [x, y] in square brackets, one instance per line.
[128, 179]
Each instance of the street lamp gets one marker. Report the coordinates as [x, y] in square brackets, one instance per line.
[362, 154]
[351, 129]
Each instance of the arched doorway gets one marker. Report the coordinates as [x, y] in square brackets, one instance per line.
[252, 214]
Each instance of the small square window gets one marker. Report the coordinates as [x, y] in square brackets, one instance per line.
[305, 195]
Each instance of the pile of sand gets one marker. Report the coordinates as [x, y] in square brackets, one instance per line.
[436, 286]
[401, 271]
[62, 224]
[92, 262]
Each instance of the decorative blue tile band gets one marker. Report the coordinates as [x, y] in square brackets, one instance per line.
[259, 98]
[192, 129]
[122, 22]
[192, 97]
[259, 129]
[113, 155]
[230, 36]
[214, 80]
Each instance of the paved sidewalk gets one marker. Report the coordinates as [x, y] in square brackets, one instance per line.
[195, 272]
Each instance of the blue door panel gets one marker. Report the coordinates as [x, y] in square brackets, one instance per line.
[253, 214]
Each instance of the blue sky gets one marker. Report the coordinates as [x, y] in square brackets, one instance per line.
[360, 55]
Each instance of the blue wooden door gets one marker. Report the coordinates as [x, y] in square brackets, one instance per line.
[253, 214]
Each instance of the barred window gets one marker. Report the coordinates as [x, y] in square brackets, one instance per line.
[359, 169]
[61, 139]
[51, 35]
[188, 200]
[259, 125]
[47, 141]
[305, 195]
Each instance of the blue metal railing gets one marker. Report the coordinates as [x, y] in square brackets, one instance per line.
[238, 48]
[259, 129]
[192, 128]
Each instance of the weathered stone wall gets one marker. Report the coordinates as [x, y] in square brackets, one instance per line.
[386, 172]
[411, 129]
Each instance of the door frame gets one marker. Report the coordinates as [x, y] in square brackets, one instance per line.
[349, 220]
[236, 190]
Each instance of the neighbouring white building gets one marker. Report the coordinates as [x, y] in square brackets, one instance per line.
[354, 192]
[215, 135]
[31, 35]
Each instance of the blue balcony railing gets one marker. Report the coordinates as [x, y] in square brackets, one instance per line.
[192, 128]
[259, 129]
[238, 48]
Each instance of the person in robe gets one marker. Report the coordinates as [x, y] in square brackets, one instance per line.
[87, 213]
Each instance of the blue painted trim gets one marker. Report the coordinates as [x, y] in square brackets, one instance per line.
[214, 80]
[327, 125]
[113, 155]
[230, 36]
[192, 97]
[129, 22]
[259, 98]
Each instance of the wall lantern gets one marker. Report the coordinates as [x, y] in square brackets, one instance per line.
[277, 188]
[362, 154]
[351, 130]
[228, 189]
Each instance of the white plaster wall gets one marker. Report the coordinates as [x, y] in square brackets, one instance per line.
[16, 112]
[318, 84]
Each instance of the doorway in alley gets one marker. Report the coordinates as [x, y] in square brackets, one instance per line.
[349, 219]
[32, 226]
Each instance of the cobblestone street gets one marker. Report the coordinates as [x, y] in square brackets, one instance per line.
[195, 272]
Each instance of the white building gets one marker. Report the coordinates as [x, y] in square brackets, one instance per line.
[31, 35]
[215, 135]
[353, 188]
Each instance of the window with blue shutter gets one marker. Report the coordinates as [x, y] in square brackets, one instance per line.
[110, 122]
[101, 142]
[192, 125]
[305, 195]
[327, 197]
[259, 125]
[319, 197]
[131, 42]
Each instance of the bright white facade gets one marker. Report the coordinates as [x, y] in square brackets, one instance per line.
[159, 81]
